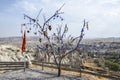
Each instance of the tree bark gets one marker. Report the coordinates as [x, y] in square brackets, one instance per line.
[59, 69]
[80, 72]
[42, 65]
[45, 58]
[48, 58]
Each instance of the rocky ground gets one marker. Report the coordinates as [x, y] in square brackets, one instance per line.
[34, 74]
[12, 53]
[10, 48]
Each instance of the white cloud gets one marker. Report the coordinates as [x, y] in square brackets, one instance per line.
[26, 6]
[102, 14]
[113, 12]
[29, 7]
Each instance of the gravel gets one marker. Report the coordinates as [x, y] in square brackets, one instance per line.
[34, 74]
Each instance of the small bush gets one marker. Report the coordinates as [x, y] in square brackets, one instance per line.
[112, 66]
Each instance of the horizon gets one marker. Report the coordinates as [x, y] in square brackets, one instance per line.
[83, 38]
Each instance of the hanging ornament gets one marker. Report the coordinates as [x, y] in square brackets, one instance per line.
[62, 19]
[40, 40]
[45, 33]
[35, 33]
[28, 31]
[33, 20]
[52, 53]
[49, 27]
[46, 45]
[23, 24]
[57, 16]
[82, 30]
[58, 49]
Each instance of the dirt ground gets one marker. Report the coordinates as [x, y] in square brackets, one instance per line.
[92, 77]
[2, 71]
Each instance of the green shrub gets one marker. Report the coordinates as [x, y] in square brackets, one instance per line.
[112, 66]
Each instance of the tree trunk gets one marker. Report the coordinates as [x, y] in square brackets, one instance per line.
[45, 58]
[48, 58]
[59, 70]
[80, 72]
[42, 65]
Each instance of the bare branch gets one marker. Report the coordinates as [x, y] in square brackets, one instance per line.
[60, 8]
[65, 30]
[56, 13]
[80, 39]
[38, 14]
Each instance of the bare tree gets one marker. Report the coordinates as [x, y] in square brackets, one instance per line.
[60, 46]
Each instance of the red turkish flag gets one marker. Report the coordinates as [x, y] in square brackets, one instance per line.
[24, 42]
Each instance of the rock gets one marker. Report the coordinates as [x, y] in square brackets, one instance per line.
[11, 53]
[1, 58]
[14, 58]
[19, 56]
[4, 58]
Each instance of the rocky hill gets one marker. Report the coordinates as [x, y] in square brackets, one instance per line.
[17, 41]
[10, 49]
[12, 53]
[107, 47]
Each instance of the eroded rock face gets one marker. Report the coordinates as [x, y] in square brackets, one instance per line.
[12, 53]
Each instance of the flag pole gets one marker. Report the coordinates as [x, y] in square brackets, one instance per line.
[24, 63]
[23, 49]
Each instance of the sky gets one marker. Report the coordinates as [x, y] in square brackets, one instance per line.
[103, 16]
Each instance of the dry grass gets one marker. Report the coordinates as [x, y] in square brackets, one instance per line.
[2, 71]
[92, 77]
[92, 65]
